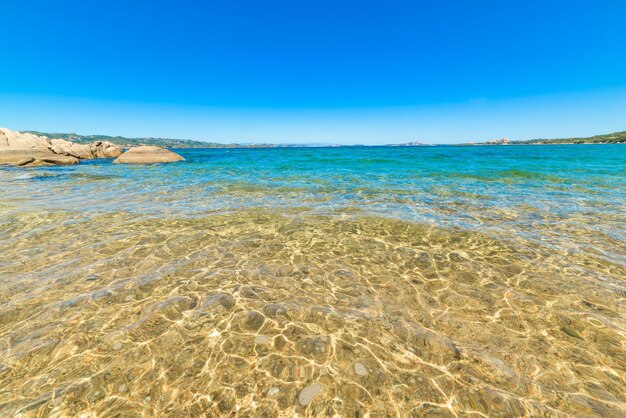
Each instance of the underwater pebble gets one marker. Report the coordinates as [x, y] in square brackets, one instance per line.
[308, 393]
[255, 320]
[262, 339]
[100, 294]
[360, 369]
[117, 345]
[122, 389]
[273, 391]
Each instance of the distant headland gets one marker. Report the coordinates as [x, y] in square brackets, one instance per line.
[612, 138]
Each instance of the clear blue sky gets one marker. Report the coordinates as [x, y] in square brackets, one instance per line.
[315, 71]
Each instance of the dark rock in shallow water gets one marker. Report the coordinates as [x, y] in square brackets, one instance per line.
[275, 309]
[255, 320]
[101, 294]
[224, 300]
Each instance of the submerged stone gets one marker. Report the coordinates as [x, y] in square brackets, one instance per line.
[360, 369]
[262, 339]
[255, 320]
[308, 393]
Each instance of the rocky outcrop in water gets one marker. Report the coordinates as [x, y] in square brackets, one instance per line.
[63, 147]
[105, 149]
[29, 150]
[146, 154]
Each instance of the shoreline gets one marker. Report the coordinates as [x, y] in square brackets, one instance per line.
[180, 143]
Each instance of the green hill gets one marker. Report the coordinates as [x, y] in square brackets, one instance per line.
[129, 142]
[160, 142]
[614, 138]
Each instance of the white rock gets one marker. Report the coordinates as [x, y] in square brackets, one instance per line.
[262, 339]
[360, 369]
[308, 393]
[148, 154]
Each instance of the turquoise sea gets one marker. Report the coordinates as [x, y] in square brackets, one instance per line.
[442, 280]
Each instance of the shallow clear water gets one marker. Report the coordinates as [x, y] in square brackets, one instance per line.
[469, 281]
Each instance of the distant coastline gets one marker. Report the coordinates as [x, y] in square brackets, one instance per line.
[612, 138]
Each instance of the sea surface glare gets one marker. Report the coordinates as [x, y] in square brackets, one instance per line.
[389, 281]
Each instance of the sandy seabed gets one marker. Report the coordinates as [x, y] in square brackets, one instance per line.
[268, 312]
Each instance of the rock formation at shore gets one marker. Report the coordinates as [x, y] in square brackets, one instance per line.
[146, 154]
[29, 150]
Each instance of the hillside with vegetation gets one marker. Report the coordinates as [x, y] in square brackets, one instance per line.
[162, 142]
[614, 138]
[129, 142]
